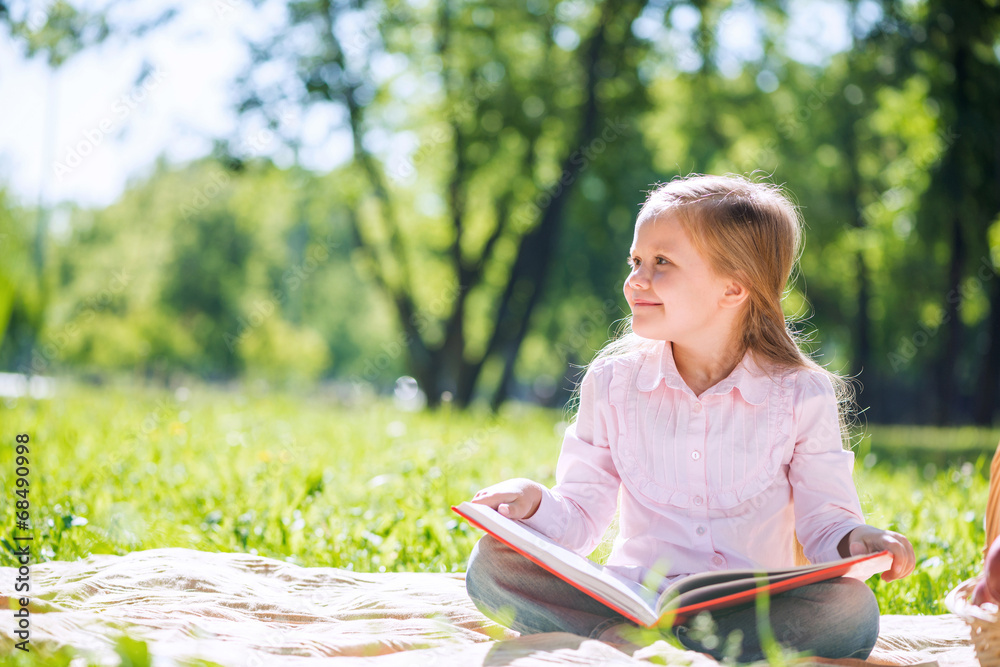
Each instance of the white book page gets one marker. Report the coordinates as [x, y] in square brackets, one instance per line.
[584, 572]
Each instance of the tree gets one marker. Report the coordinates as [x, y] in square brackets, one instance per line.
[529, 97]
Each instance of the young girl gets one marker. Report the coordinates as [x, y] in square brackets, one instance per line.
[721, 440]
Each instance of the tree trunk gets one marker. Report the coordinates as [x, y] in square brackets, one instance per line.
[537, 246]
[862, 327]
[861, 354]
[953, 341]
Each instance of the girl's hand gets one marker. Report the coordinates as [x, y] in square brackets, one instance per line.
[870, 540]
[515, 498]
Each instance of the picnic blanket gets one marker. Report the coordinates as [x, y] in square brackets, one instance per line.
[241, 609]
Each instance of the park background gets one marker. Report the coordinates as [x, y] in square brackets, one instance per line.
[291, 277]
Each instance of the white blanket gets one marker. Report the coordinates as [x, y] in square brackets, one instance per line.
[238, 609]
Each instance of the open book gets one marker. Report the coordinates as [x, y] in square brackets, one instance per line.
[682, 598]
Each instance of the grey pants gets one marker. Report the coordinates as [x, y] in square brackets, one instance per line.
[838, 618]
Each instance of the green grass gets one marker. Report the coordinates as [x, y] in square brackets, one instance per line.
[369, 487]
[283, 476]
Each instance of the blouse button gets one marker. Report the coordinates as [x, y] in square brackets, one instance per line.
[698, 500]
[696, 455]
[700, 530]
[697, 407]
[717, 560]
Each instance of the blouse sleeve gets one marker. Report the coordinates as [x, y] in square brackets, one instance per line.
[825, 498]
[578, 509]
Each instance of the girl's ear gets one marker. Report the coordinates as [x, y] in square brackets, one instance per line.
[734, 295]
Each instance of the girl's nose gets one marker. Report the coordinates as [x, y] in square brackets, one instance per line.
[636, 279]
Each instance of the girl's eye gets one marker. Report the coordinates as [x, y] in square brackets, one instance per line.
[635, 261]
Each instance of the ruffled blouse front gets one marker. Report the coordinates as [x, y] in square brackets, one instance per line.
[724, 480]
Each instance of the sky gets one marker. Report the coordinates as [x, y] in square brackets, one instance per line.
[91, 108]
[80, 133]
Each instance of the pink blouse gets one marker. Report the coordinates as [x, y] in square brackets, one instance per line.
[719, 481]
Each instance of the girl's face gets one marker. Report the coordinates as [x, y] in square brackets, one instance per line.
[673, 292]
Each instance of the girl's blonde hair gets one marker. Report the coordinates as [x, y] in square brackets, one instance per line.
[752, 232]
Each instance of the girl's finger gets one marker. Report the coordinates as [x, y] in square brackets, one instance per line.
[495, 498]
[513, 509]
[897, 558]
[489, 500]
[903, 560]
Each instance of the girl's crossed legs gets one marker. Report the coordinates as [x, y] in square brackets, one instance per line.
[838, 618]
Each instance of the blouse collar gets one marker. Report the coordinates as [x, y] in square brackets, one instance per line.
[658, 365]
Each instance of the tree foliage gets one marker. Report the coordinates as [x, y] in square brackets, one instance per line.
[476, 237]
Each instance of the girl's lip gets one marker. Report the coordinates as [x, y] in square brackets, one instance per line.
[646, 303]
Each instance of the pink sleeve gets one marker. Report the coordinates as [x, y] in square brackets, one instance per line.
[579, 508]
[823, 491]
